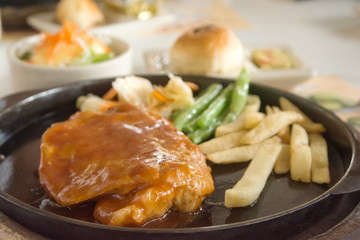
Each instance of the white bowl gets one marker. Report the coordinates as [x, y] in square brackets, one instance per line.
[27, 76]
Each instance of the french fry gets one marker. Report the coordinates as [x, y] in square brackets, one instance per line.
[248, 189]
[252, 119]
[221, 143]
[282, 164]
[269, 126]
[284, 133]
[268, 110]
[299, 135]
[300, 155]
[320, 162]
[307, 123]
[253, 105]
[239, 154]
[237, 125]
[276, 109]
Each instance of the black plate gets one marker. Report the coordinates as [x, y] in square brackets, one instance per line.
[22, 125]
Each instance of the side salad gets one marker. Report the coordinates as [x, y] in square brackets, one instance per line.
[68, 47]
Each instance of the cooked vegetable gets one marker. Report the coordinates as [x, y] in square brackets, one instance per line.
[191, 126]
[206, 132]
[175, 95]
[134, 90]
[248, 189]
[222, 143]
[284, 133]
[216, 107]
[252, 105]
[320, 172]
[200, 104]
[282, 164]
[300, 154]
[110, 94]
[91, 102]
[239, 96]
[252, 119]
[238, 154]
[270, 125]
[307, 123]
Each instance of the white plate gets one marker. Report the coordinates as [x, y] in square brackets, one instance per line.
[45, 22]
[157, 61]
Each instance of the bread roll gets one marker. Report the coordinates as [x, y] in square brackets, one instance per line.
[84, 13]
[207, 49]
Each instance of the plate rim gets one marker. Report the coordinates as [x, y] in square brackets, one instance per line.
[26, 206]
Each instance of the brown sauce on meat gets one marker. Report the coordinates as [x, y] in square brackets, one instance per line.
[85, 212]
[133, 163]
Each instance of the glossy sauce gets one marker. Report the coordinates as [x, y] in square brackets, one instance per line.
[132, 162]
[171, 219]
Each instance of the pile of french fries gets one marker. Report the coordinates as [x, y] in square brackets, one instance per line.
[282, 140]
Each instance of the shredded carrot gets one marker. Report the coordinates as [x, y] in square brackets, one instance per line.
[109, 95]
[67, 44]
[193, 86]
[161, 96]
[108, 105]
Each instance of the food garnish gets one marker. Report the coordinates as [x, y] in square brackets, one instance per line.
[68, 47]
[175, 95]
[272, 58]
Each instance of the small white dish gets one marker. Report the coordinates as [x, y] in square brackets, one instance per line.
[45, 22]
[279, 78]
[157, 61]
[28, 76]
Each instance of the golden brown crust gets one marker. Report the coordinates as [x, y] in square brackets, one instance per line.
[207, 49]
[85, 13]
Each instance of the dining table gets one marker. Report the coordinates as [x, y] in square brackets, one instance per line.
[324, 34]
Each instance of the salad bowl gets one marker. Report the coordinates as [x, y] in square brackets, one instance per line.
[27, 76]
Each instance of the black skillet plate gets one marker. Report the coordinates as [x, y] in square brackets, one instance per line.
[282, 203]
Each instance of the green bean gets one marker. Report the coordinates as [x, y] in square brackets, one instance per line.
[216, 107]
[239, 96]
[200, 104]
[202, 134]
[191, 126]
